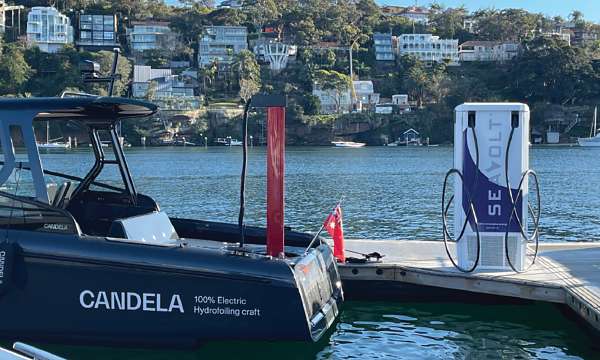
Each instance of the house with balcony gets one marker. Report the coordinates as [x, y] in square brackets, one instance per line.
[150, 35]
[275, 53]
[495, 51]
[13, 27]
[97, 32]
[364, 98]
[417, 14]
[384, 49]
[143, 75]
[221, 43]
[429, 48]
[48, 29]
[176, 95]
[560, 34]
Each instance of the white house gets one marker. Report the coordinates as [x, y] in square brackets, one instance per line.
[365, 95]
[400, 99]
[429, 48]
[416, 14]
[560, 35]
[274, 53]
[48, 29]
[15, 17]
[487, 51]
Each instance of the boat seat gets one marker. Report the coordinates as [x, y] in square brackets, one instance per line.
[61, 194]
[51, 188]
[152, 228]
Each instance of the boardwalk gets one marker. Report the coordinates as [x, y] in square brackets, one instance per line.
[565, 273]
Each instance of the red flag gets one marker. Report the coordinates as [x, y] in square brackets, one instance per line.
[334, 227]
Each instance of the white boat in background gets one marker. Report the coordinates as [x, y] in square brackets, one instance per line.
[348, 144]
[594, 139]
[53, 144]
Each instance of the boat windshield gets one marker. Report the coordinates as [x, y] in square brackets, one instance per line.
[37, 198]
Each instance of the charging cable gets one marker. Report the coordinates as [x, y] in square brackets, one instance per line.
[514, 200]
[471, 213]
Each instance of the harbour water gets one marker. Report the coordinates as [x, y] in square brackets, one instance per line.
[389, 193]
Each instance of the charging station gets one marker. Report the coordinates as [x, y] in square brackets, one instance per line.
[483, 206]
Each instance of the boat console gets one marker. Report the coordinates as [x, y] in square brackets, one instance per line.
[86, 261]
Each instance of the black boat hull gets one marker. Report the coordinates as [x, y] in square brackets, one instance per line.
[94, 290]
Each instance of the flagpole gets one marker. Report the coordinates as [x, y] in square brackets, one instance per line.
[323, 225]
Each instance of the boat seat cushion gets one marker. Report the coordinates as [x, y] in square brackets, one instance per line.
[151, 228]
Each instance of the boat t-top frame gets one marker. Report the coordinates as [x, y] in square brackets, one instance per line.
[98, 114]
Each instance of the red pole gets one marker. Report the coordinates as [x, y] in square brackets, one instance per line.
[275, 179]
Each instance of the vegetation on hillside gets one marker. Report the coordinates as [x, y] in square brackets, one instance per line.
[548, 71]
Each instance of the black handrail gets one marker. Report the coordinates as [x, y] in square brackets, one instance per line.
[74, 178]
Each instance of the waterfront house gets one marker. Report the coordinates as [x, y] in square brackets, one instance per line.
[365, 95]
[383, 43]
[496, 51]
[48, 29]
[150, 35]
[429, 48]
[400, 102]
[331, 101]
[411, 137]
[364, 98]
[97, 32]
[221, 43]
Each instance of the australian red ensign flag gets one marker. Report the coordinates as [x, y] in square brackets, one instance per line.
[334, 227]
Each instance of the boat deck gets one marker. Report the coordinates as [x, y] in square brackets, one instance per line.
[564, 273]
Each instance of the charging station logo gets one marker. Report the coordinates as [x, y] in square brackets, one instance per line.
[490, 200]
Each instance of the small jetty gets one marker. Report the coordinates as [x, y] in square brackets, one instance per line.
[564, 273]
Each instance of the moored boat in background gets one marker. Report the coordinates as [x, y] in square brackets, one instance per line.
[348, 144]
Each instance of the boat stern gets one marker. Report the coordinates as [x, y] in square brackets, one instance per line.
[320, 286]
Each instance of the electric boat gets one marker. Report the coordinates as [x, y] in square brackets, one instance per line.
[86, 261]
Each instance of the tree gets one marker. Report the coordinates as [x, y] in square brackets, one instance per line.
[248, 74]
[422, 82]
[507, 24]
[576, 16]
[156, 58]
[549, 70]
[261, 12]
[448, 23]
[105, 60]
[190, 20]
[334, 81]
[54, 72]
[207, 73]
[14, 70]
